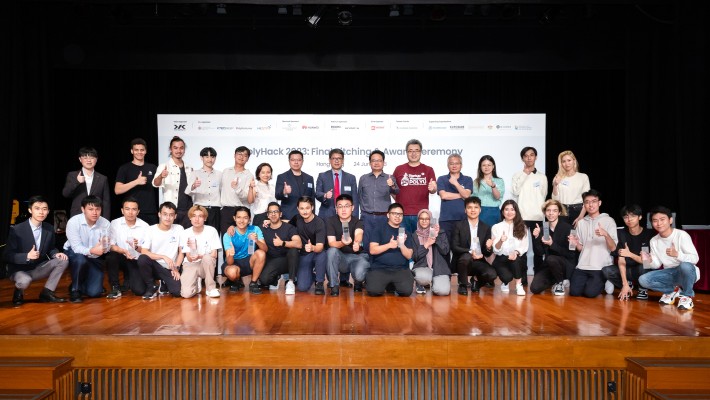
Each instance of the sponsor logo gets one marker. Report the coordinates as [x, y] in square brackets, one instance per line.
[413, 180]
[456, 127]
[178, 127]
[263, 128]
[523, 128]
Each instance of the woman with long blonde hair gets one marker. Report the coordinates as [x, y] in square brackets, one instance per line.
[568, 186]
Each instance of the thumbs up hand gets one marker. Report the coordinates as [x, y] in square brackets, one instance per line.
[33, 254]
[672, 251]
[309, 247]
[600, 231]
[141, 180]
[625, 252]
[432, 186]
[80, 178]
[197, 183]
[287, 188]
[536, 231]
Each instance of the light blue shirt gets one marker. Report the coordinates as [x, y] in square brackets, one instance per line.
[81, 237]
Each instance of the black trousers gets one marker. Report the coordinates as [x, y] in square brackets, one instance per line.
[276, 266]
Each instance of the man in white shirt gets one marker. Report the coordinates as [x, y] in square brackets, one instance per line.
[126, 236]
[234, 188]
[204, 187]
[161, 258]
[172, 178]
[199, 244]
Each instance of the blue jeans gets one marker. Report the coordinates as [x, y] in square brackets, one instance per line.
[490, 215]
[665, 280]
[410, 223]
[311, 266]
[87, 275]
[342, 263]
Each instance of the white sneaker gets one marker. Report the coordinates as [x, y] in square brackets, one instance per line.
[609, 287]
[685, 303]
[504, 288]
[290, 288]
[213, 293]
[199, 285]
[566, 283]
[519, 289]
[670, 298]
[274, 287]
[558, 289]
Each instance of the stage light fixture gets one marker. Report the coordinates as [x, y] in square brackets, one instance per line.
[282, 10]
[394, 10]
[345, 17]
[221, 9]
[314, 19]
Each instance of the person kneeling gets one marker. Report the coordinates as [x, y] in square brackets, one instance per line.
[245, 251]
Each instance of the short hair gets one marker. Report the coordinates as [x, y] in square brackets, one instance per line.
[36, 199]
[242, 208]
[376, 152]
[208, 151]
[243, 148]
[414, 141]
[88, 151]
[525, 150]
[560, 206]
[345, 196]
[139, 141]
[335, 151]
[634, 209]
[295, 152]
[169, 205]
[393, 206]
[197, 207]
[262, 165]
[306, 199]
[130, 199]
[661, 210]
[472, 199]
[93, 200]
[591, 193]
[274, 203]
[454, 155]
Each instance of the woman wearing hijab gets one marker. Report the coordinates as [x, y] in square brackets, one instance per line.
[430, 248]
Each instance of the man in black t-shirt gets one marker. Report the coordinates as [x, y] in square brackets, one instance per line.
[133, 180]
[284, 244]
[345, 253]
[390, 253]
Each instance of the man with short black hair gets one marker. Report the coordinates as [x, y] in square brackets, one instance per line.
[390, 254]
[133, 180]
[292, 185]
[326, 189]
[234, 188]
[312, 264]
[161, 256]
[375, 191]
[126, 235]
[283, 244]
[204, 187]
[345, 254]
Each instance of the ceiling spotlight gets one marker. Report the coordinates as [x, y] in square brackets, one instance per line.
[282, 10]
[345, 18]
[297, 10]
[314, 19]
[394, 10]
[221, 9]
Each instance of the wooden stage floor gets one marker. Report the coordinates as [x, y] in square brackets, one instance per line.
[427, 330]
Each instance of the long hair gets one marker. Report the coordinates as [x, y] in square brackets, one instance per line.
[479, 177]
[560, 171]
[519, 227]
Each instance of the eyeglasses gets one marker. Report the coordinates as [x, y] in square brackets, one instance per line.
[344, 207]
[424, 219]
[595, 201]
[376, 160]
[337, 158]
[274, 212]
[396, 214]
[629, 216]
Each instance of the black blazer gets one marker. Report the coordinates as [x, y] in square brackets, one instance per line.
[440, 250]
[20, 242]
[289, 204]
[462, 239]
[77, 191]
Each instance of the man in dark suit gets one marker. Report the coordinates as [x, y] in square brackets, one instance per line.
[31, 254]
[292, 185]
[469, 255]
[85, 182]
[326, 192]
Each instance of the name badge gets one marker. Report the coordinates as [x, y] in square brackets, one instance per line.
[565, 182]
[310, 185]
[536, 184]
[215, 184]
[347, 188]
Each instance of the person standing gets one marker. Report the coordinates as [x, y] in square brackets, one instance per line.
[375, 191]
[172, 177]
[261, 193]
[416, 182]
[454, 188]
[234, 189]
[133, 178]
[204, 187]
[529, 189]
[31, 254]
[490, 189]
[292, 185]
[568, 185]
[334, 182]
[86, 182]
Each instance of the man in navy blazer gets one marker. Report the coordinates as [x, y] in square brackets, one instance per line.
[325, 186]
[293, 184]
[31, 254]
[471, 260]
[75, 187]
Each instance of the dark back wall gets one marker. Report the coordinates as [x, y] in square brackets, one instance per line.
[625, 92]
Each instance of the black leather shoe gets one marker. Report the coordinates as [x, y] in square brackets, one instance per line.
[475, 286]
[346, 284]
[18, 297]
[335, 291]
[319, 288]
[357, 287]
[48, 296]
[75, 296]
[463, 290]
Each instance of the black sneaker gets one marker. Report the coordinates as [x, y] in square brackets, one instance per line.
[346, 284]
[163, 288]
[335, 291]
[236, 286]
[18, 297]
[319, 288]
[150, 293]
[115, 292]
[254, 288]
[75, 296]
[357, 287]
[475, 286]
[463, 290]
[642, 294]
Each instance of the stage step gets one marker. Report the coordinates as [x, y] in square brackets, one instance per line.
[670, 377]
[26, 394]
[32, 373]
[677, 394]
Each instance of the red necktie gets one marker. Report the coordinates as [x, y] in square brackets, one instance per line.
[336, 189]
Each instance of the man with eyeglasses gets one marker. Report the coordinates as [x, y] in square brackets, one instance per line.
[596, 238]
[283, 244]
[345, 254]
[375, 191]
[416, 182]
[293, 184]
[87, 182]
[234, 187]
[334, 182]
[390, 254]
